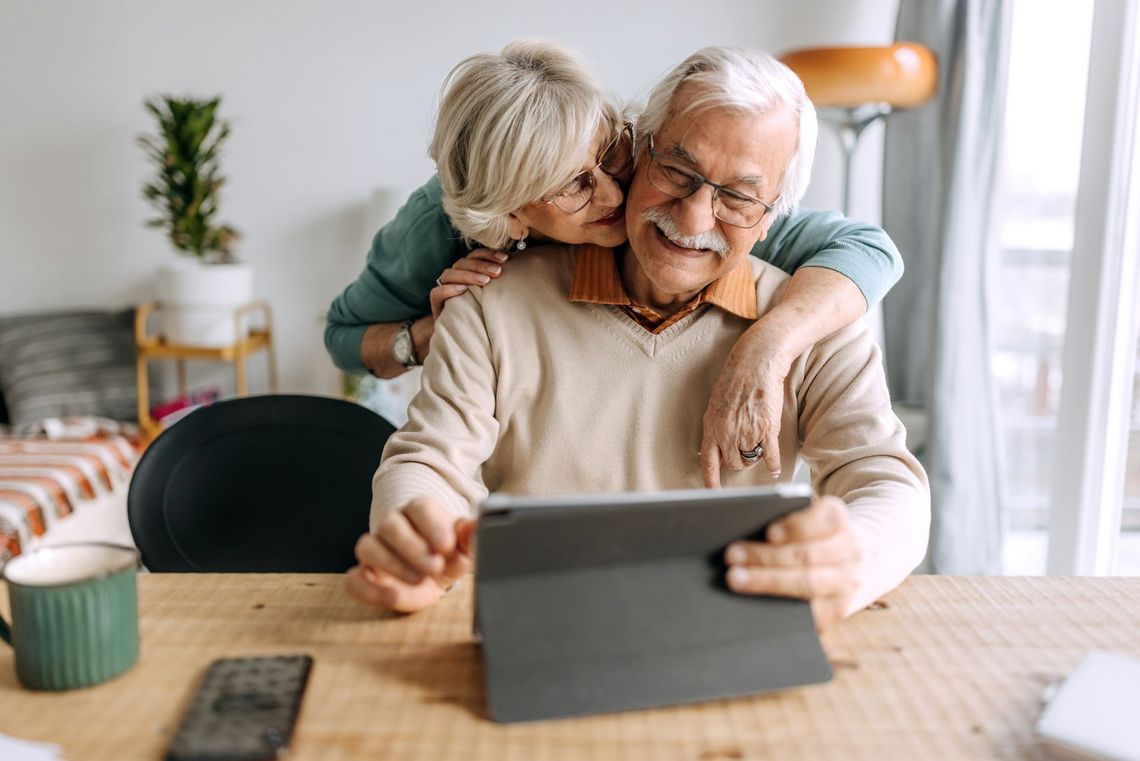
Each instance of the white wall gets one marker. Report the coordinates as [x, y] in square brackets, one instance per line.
[331, 104]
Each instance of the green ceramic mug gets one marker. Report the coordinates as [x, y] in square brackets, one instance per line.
[75, 616]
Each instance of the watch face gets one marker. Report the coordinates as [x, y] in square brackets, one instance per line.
[402, 348]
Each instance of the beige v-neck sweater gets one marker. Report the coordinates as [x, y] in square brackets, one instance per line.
[526, 392]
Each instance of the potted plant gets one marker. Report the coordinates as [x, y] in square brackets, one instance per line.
[200, 291]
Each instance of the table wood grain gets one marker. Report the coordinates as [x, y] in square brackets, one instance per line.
[942, 668]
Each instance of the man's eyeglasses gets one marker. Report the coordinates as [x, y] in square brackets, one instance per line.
[614, 159]
[731, 206]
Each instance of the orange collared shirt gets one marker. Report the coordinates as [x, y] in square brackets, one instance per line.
[596, 280]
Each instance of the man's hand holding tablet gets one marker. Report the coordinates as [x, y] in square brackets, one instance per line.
[811, 555]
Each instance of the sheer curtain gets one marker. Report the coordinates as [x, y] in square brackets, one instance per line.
[938, 180]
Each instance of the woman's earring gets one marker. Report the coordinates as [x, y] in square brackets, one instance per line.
[521, 245]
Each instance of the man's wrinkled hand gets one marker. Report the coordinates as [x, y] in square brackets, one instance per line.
[411, 558]
[811, 554]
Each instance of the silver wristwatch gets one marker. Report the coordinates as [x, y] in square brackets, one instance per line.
[404, 348]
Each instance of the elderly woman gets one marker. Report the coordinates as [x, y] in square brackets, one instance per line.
[530, 147]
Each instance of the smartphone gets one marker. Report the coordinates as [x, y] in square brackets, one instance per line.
[245, 709]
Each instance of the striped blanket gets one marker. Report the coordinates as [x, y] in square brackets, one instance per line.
[44, 481]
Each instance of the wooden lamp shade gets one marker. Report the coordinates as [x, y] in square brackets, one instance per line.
[854, 87]
[902, 75]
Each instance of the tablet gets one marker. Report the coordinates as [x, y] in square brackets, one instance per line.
[601, 603]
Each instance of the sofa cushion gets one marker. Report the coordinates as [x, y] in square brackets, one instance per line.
[68, 363]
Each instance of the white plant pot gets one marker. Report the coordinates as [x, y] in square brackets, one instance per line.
[198, 301]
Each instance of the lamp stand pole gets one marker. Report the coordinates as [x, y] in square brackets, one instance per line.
[849, 124]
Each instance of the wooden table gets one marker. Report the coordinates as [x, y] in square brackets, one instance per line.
[943, 668]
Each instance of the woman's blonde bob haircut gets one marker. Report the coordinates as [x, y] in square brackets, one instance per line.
[512, 128]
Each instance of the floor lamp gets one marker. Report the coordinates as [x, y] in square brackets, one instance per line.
[852, 88]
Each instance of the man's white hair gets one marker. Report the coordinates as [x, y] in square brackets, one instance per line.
[742, 80]
[512, 127]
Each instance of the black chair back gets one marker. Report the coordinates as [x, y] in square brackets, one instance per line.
[266, 484]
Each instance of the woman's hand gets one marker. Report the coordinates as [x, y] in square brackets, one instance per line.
[478, 268]
[746, 406]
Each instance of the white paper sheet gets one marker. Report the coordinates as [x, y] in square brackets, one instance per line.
[15, 749]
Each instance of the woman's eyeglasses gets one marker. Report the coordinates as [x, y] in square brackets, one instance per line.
[614, 159]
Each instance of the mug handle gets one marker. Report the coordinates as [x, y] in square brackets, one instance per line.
[5, 631]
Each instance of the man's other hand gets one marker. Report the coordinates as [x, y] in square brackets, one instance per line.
[411, 559]
[811, 554]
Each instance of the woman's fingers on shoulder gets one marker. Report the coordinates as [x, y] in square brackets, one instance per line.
[458, 275]
[447, 291]
[469, 264]
[489, 255]
[441, 293]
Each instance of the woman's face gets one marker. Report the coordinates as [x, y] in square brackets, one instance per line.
[601, 221]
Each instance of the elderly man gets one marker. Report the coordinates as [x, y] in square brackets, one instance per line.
[587, 369]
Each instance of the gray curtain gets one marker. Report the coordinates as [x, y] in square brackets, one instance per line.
[938, 180]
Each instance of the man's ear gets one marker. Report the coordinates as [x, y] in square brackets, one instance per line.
[517, 227]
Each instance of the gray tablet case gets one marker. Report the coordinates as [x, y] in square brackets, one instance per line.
[604, 603]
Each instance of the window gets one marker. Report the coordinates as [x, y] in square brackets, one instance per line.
[1029, 273]
[1128, 551]
[1064, 290]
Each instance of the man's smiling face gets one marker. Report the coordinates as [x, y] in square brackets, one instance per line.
[679, 244]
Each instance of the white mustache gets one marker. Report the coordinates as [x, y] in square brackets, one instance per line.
[712, 240]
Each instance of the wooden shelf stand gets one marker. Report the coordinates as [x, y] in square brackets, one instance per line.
[151, 346]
